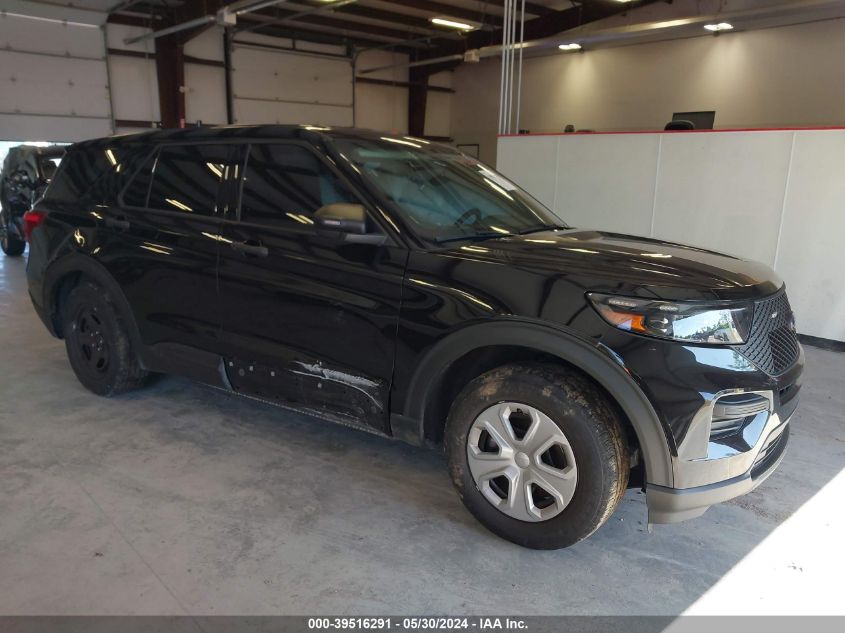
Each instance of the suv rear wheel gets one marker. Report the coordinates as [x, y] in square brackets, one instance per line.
[97, 342]
[537, 454]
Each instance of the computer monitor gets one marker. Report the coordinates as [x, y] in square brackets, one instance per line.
[702, 120]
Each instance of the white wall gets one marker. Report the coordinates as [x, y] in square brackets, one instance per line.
[772, 196]
[277, 86]
[205, 86]
[54, 81]
[779, 77]
[379, 107]
[438, 111]
[134, 85]
[58, 84]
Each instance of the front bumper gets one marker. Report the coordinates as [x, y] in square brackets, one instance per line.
[671, 505]
[689, 388]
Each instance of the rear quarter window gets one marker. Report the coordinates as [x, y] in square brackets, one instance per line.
[93, 175]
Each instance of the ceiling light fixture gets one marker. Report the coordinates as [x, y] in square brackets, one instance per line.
[721, 26]
[452, 24]
[572, 46]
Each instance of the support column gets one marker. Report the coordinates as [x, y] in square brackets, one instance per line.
[170, 69]
[417, 97]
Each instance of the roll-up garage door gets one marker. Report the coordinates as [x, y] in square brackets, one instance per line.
[53, 74]
[274, 86]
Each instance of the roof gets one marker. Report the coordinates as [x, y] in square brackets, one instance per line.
[239, 132]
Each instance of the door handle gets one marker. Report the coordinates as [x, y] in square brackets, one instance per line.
[115, 223]
[251, 249]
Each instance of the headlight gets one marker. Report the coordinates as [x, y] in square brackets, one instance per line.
[692, 322]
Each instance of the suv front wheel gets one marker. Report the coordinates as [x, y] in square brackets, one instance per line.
[537, 454]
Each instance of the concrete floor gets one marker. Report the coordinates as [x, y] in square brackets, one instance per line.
[182, 499]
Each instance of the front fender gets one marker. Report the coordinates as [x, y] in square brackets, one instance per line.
[591, 358]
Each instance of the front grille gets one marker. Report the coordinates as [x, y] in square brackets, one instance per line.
[773, 344]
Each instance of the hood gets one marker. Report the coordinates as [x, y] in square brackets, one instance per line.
[636, 266]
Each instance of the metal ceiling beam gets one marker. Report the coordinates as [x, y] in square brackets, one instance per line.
[201, 18]
[171, 30]
[318, 37]
[545, 26]
[295, 15]
[394, 17]
[763, 17]
[530, 7]
[448, 10]
[332, 23]
[350, 10]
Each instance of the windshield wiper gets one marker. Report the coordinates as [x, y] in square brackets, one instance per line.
[541, 227]
[473, 237]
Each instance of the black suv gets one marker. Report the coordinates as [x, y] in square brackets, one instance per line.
[27, 170]
[398, 286]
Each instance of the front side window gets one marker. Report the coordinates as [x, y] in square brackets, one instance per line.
[443, 194]
[185, 178]
[285, 184]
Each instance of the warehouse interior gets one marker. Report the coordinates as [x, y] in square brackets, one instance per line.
[184, 500]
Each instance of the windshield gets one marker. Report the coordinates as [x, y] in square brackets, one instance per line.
[443, 194]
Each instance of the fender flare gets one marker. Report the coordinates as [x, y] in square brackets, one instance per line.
[607, 370]
[77, 263]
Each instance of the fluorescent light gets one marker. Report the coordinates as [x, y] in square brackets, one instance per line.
[721, 26]
[572, 46]
[452, 24]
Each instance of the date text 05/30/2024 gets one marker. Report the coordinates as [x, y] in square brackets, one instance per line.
[417, 624]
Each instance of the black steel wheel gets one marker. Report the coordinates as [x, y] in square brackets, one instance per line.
[98, 343]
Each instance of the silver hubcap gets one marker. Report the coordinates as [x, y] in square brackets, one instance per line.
[521, 461]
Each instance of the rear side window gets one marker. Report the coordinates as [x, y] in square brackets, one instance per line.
[184, 178]
[79, 171]
[285, 184]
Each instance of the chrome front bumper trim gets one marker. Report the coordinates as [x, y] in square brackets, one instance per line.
[671, 505]
[702, 460]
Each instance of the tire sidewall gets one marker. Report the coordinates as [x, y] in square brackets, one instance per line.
[596, 479]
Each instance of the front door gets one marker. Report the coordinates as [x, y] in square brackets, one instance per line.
[308, 318]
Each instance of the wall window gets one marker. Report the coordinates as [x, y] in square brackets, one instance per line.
[187, 178]
[286, 184]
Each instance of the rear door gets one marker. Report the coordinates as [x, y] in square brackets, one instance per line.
[308, 318]
[163, 246]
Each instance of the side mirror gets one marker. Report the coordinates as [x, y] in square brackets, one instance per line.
[348, 221]
[342, 218]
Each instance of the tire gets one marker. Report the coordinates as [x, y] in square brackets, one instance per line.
[97, 341]
[586, 465]
[11, 245]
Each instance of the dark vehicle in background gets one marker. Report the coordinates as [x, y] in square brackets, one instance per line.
[27, 170]
[395, 285]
